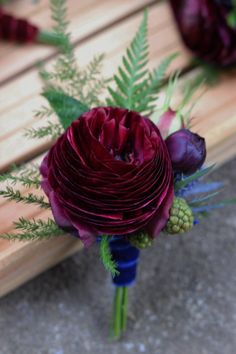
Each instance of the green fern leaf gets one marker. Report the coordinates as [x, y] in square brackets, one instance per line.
[137, 88]
[132, 72]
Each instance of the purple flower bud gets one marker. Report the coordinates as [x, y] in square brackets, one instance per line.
[187, 151]
[205, 29]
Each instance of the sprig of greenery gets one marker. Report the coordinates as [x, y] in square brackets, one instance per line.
[85, 84]
[16, 195]
[28, 176]
[33, 230]
[106, 256]
[52, 130]
[136, 87]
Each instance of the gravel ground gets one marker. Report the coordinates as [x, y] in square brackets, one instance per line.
[183, 302]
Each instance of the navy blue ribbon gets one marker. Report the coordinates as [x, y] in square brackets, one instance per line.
[126, 257]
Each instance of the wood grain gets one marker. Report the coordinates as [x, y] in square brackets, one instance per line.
[86, 19]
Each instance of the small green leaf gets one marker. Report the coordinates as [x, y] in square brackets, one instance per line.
[193, 177]
[66, 107]
[106, 257]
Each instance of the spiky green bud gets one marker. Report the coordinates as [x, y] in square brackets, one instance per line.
[140, 240]
[181, 217]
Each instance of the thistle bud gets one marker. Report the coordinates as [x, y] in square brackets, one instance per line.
[181, 217]
[140, 240]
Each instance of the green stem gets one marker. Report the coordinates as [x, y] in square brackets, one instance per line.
[117, 312]
[51, 38]
[119, 316]
[124, 308]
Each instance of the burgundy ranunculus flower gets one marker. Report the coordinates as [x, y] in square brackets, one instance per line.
[109, 173]
[205, 31]
[187, 151]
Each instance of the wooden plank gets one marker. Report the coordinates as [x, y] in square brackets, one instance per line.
[86, 18]
[18, 102]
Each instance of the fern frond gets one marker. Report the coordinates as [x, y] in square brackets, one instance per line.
[85, 84]
[136, 88]
[16, 195]
[106, 256]
[133, 74]
[28, 176]
[33, 230]
[53, 130]
[43, 112]
[149, 93]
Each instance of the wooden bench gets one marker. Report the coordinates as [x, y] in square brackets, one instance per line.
[97, 26]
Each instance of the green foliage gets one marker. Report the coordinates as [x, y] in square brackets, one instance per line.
[33, 230]
[28, 176]
[84, 84]
[16, 195]
[133, 71]
[136, 87]
[106, 256]
[51, 130]
[59, 11]
[195, 176]
[66, 107]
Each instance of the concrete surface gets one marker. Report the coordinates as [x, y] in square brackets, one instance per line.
[184, 301]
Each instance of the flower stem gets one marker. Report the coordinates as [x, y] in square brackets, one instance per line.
[119, 317]
[50, 38]
[117, 313]
[124, 308]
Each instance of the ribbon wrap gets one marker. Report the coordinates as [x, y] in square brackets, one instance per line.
[126, 257]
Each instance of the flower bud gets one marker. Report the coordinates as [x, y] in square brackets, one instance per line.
[187, 151]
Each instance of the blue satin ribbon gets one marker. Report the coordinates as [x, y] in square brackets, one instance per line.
[126, 257]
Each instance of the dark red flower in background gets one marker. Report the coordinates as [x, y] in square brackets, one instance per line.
[15, 29]
[205, 31]
[109, 173]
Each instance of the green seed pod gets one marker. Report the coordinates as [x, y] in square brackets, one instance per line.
[181, 217]
[140, 240]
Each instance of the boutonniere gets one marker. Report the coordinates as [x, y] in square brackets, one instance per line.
[120, 172]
